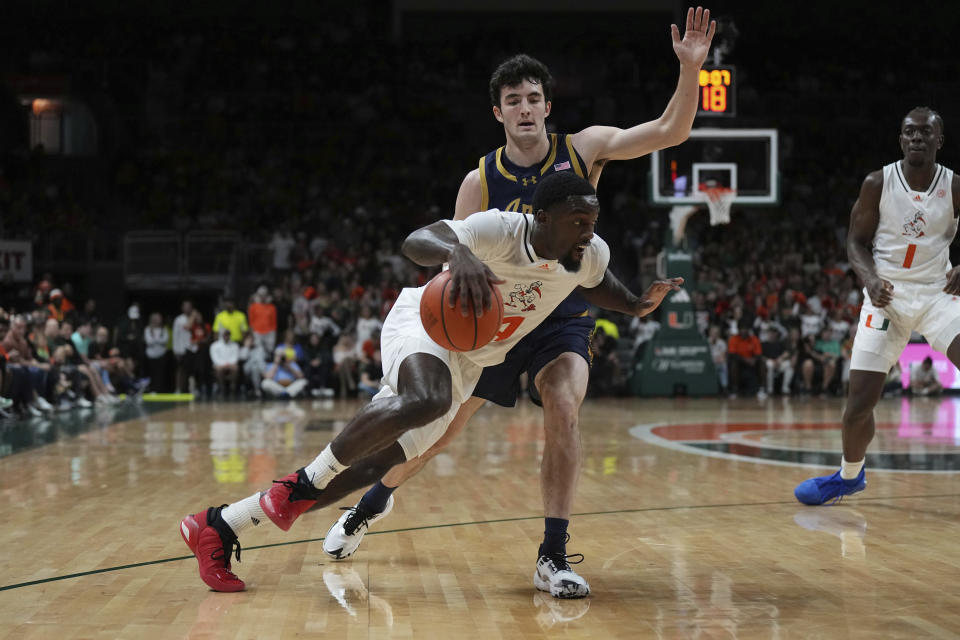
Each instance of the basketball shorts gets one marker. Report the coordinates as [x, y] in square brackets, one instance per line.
[501, 383]
[883, 333]
[403, 335]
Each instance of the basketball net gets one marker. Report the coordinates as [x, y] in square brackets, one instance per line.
[719, 200]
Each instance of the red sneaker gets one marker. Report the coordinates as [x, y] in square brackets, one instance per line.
[212, 541]
[288, 498]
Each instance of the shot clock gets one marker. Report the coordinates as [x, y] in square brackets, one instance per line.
[718, 91]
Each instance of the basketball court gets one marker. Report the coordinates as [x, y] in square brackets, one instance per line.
[685, 514]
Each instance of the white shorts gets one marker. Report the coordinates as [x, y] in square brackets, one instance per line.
[403, 335]
[883, 333]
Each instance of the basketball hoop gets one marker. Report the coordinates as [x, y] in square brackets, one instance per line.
[719, 200]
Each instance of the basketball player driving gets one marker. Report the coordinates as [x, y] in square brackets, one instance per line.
[425, 384]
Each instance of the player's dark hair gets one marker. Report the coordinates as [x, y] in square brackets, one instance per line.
[557, 186]
[930, 112]
[515, 70]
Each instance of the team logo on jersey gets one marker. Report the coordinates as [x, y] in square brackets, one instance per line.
[941, 193]
[873, 324]
[524, 298]
[913, 226]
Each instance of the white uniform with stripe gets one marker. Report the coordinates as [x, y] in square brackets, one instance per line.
[911, 249]
[533, 287]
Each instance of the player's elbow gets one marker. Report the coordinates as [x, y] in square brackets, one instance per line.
[411, 245]
[407, 245]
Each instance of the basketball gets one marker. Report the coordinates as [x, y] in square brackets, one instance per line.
[451, 329]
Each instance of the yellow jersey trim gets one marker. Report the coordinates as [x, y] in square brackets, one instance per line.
[484, 193]
[552, 156]
[502, 169]
[573, 156]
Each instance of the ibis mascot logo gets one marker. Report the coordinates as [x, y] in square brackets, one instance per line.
[523, 297]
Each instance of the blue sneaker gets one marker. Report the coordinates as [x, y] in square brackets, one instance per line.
[829, 488]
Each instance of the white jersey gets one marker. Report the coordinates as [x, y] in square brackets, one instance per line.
[533, 286]
[916, 228]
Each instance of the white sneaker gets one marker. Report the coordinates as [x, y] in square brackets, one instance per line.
[43, 405]
[554, 574]
[83, 403]
[346, 533]
[761, 395]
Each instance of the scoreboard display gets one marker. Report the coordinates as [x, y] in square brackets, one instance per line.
[718, 91]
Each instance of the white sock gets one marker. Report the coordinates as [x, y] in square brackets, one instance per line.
[850, 470]
[244, 514]
[324, 468]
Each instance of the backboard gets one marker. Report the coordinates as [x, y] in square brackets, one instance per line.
[742, 159]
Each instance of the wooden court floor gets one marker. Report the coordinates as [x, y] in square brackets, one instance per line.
[685, 514]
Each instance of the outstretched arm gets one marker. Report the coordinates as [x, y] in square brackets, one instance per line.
[612, 295]
[600, 143]
[864, 219]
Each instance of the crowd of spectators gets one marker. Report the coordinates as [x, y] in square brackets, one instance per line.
[304, 331]
[55, 357]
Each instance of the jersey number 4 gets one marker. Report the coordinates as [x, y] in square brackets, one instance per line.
[510, 324]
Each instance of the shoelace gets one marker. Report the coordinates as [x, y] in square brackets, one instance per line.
[562, 562]
[231, 545]
[836, 500]
[358, 518]
[300, 490]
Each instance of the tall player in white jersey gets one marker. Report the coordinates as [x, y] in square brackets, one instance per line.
[425, 383]
[901, 228]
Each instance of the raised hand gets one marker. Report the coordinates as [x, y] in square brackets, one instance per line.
[693, 48]
[655, 294]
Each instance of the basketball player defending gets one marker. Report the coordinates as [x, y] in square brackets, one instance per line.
[556, 356]
[426, 384]
[901, 228]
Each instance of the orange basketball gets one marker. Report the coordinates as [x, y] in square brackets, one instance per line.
[448, 327]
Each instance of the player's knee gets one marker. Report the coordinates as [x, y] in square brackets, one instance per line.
[425, 408]
[856, 412]
[561, 411]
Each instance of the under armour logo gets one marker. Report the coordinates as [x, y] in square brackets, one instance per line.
[532, 179]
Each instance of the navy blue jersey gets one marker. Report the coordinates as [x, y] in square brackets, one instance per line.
[508, 187]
